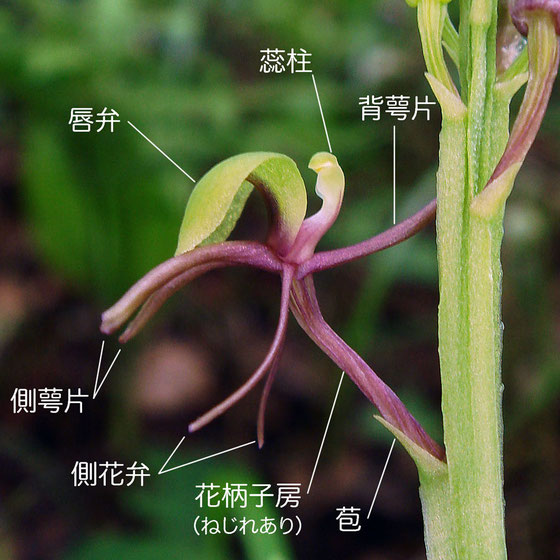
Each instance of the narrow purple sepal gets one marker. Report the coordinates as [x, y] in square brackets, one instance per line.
[390, 237]
[226, 253]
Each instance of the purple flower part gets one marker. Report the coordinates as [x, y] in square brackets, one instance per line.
[519, 9]
[152, 305]
[306, 309]
[158, 285]
[542, 73]
[273, 354]
[264, 399]
[390, 237]
[228, 252]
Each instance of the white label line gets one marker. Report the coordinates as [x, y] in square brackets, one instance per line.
[98, 385]
[98, 367]
[321, 111]
[394, 174]
[164, 470]
[161, 152]
[325, 434]
[381, 478]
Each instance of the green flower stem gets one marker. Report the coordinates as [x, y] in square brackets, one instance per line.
[439, 533]
[470, 493]
[432, 15]
[470, 349]
[452, 231]
[482, 19]
[472, 140]
[481, 494]
[503, 93]
[450, 39]
[438, 515]
[483, 534]
[462, 499]
[469, 311]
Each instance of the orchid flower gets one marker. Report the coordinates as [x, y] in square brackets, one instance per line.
[218, 199]
[212, 211]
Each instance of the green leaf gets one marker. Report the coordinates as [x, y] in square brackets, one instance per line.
[58, 209]
[219, 197]
[83, 206]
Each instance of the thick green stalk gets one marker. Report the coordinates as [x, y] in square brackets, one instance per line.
[438, 515]
[469, 310]
[481, 495]
[452, 230]
[434, 493]
[432, 17]
[462, 501]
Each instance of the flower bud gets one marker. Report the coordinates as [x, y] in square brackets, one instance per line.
[520, 9]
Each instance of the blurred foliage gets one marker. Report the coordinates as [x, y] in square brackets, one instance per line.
[102, 209]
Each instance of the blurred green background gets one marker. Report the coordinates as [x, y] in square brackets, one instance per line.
[82, 216]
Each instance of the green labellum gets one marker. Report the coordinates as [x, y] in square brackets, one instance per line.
[219, 197]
